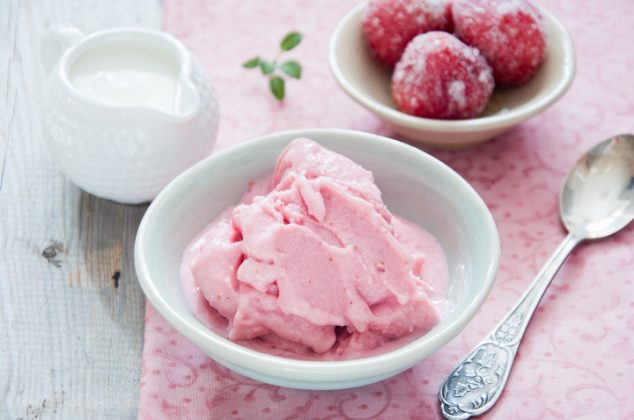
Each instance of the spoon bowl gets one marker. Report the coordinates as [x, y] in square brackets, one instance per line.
[598, 197]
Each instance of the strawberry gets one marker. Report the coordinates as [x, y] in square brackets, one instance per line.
[509, 33]
[389, 25]
[438, 76]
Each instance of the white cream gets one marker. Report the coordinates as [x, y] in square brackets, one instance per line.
[126, 74]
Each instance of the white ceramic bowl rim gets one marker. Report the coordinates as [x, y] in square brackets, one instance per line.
[317, 370]
[508, 118]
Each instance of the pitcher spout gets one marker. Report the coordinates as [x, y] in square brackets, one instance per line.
[187, 99]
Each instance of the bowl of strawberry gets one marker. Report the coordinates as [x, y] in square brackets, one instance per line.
[452, 73]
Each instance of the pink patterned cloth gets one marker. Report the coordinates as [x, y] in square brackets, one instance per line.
[577, 358]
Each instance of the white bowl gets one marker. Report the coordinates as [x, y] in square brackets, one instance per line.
[414, 185]
[368, 82]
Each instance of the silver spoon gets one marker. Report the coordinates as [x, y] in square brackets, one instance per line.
[597, 201]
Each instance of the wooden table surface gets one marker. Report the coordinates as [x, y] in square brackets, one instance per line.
[71, 310]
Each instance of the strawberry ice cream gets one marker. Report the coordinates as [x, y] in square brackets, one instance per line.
[312, 265]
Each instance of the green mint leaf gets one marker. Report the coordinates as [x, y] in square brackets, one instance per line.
[277, 87]
[291, 40]
[252, 63]
[266, 67]
[292, 68]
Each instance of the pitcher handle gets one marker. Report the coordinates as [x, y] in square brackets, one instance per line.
[54, 42]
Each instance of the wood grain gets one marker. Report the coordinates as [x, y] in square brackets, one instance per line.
[71, 311]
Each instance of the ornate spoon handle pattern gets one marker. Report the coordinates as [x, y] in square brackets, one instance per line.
[477, 382]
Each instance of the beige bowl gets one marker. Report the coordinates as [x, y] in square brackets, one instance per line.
[368, 82]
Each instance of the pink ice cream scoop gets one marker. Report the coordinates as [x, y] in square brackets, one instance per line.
[316, 265]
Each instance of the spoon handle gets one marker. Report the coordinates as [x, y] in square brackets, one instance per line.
[477, 382]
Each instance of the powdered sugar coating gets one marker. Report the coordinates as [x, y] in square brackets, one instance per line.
[438, 76]
[388, 25]
[509, 33]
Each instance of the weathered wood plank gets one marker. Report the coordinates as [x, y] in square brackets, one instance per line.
[71, 311]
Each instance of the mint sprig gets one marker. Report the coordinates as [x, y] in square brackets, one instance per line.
[274, 70]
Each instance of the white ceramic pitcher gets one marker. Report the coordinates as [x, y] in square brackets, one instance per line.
[126, 109]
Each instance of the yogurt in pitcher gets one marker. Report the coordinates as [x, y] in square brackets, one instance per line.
[123, 74]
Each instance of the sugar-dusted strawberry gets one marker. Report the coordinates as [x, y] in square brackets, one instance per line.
[388, 25]
[509, 33]
[438, 76]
